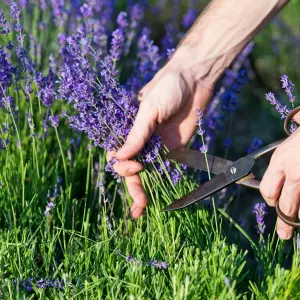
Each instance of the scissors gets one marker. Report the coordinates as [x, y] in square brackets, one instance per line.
[226, 171]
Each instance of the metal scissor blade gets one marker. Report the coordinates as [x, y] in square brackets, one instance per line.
[203, 191]
[196, 159]
[238, 170]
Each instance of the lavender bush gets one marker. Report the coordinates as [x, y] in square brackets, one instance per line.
[70, 72]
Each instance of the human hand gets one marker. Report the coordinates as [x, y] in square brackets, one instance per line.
[282, 181]
[168, 108]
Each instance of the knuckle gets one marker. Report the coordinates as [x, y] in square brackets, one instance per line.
[267, 193]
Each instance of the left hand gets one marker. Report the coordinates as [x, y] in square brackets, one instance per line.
[282, 181]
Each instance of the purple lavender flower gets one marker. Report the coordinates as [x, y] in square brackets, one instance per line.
[106, 111]
[15, 11]
[199, 122]
[169, 41]
[54, 120]
[117, 44]
[175, 176]
[133, 260]
[136, 16]
[298, 243]
[260, 210]
[282, 109]
[288, 86]
[148, 62]
[122, 20]
[190, 16]
[28, 284]
[59, 13]
[165, 167]
[41, 283]
[170, 52]
[23, 3]
[86, 11]
[203, 149]
[158, 264]
[46, 88]
[4, 28]
[6, 73]
[110, 168]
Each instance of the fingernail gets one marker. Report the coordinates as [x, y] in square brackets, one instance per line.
[282, 234]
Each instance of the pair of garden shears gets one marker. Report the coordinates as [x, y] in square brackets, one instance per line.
[227, 172]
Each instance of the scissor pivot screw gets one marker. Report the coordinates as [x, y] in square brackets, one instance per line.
[233, 170]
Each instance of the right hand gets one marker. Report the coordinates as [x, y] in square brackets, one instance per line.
[168, 108]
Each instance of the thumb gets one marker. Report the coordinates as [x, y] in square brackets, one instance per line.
[141, 131]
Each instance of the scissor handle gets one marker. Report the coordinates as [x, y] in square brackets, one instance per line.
[289, 118]
[251, 182]
[265, 150]
[286, 219]
[254, 183]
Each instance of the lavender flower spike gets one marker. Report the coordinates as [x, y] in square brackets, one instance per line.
[282, 109]
[15, 11]
[288, 87]
[260, 210]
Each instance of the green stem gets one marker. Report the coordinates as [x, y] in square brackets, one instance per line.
[21, 157]
[62, 156]
[88, 173]
[209, 177]
[33, 140]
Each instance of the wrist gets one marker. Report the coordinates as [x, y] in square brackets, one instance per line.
[190, 62]
[216, 39]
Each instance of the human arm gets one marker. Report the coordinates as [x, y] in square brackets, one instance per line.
[169, 101]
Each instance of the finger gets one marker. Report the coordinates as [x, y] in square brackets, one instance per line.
[297, 118]
[110, 155]
[289, 204]
[137, 194]
[140, 133]
[127, 168]
[271, 185]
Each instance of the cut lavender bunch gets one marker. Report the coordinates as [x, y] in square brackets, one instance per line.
[105, 110]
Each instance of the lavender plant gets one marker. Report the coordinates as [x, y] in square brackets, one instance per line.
[69, 75]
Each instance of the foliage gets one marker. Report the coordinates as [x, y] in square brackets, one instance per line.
[64, 220]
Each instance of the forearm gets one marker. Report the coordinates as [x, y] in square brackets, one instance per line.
[220, 33]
